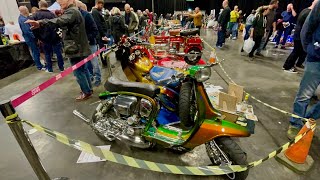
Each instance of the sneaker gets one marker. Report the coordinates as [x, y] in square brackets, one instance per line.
[83, 96]
[234, 38]
[276, 46]
[292, 70]
[259, 54]
[242, 50]
[292, 132]
[42, 69]
[283, 68]
[283, 47]
[47, 71]
[219, 47]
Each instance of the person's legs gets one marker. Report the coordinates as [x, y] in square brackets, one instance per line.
[47, 47]
[309, 83]
[234, 30]
[35, 54]
[247, 35]
[220, 38]
[279, 34]
[267, 40]
[81, 76]
[302, 55]
[57, 49]
[199, 27]
[286, 33]
[264, 41]
[291, 60]
[257, 41]
[95, 66]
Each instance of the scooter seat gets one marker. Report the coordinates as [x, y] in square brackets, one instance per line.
[158, 74]
[114, 85]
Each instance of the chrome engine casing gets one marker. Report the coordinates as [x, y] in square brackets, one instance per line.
[117, 118]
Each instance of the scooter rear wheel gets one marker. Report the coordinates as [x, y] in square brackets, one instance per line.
[234, 153]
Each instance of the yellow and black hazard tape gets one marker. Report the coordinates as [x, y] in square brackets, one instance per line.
[158, 167]
[258, 100]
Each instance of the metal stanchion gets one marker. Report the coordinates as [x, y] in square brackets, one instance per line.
[16, 127]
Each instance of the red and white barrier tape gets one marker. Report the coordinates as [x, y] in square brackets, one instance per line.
[21, 99]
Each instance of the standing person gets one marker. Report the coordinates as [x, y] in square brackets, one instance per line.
[130, 20]
[143, 17]
[233, 26]
[92, 33]
[258, 29]
[271, 25]
[118, 27]
[223, 20]
[102, 26]
[298, 53]
[49, 37]
[76, 46]
[197, 18]
[29, 37]
[137, 19]
[288, 17]
[310, 38]
[149, 14]
[249, 22]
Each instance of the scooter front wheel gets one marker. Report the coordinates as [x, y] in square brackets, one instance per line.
[233, 153]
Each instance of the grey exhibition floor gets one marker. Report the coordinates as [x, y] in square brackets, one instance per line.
[53, 108]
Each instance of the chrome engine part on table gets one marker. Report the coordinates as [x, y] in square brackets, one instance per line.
[123, 118]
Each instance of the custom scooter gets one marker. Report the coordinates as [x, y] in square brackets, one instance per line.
[131, 112]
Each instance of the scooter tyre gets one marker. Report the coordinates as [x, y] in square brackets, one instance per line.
[185, 106]
[195, 61]
[234, 153]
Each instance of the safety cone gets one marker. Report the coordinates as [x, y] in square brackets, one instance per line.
[296, 156]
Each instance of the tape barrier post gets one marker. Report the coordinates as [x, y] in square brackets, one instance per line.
[14, 122]
[159, 167]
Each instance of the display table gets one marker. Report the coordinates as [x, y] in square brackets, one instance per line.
[14, 58]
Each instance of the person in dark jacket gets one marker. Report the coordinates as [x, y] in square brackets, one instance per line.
[131, 20]
[102, 26]
[310, 38]
[76, 46]
[92, 33]
[223, 20]
[29, 37]
[118, 27]
[258, 30]
[298, 53]
[49, 37]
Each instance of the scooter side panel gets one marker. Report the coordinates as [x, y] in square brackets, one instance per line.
[211, 129]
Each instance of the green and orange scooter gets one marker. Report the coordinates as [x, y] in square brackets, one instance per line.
[132, 113]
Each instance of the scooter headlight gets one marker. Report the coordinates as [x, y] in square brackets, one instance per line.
[137, 52]
[203, 74]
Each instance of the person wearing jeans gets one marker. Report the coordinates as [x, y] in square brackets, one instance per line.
[310, 38]
[288, 18]
[29, 36]
[49, 37]
[233, 24]
[92, 33]
[49, 49]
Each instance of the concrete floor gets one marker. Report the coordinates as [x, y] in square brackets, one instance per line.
[53, 108]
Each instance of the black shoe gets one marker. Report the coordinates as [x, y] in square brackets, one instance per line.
[301, 66]
[259, 54]
[242, 50]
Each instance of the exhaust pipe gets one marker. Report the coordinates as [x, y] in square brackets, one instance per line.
[81, 116]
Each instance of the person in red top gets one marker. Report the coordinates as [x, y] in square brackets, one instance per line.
[150, 14]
